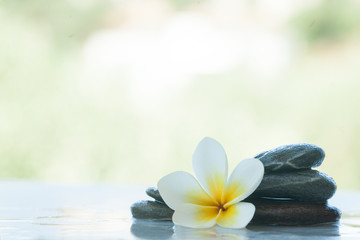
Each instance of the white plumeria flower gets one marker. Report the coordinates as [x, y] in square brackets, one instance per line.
[212, 198]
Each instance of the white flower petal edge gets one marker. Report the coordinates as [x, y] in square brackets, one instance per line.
[195, 216]
[210, 166]
[243, 181]
[236, 216]
[181, 187]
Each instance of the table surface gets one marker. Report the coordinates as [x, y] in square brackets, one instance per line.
[35, 210]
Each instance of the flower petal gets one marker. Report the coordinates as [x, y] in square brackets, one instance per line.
[181, 187]
[210, 167]
[195, 216]
[243, 181]
[236, 216]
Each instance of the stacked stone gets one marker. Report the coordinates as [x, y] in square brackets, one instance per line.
[291, 193]
[295, 193]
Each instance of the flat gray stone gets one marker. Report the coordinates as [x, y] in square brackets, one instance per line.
[154, 193]
[151, 210]
[292, 157]
[306, 185]
[268, 212]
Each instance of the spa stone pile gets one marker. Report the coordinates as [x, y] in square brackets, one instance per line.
[291, 192]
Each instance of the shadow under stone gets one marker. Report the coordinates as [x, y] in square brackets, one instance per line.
[151, 229]
[318, 231]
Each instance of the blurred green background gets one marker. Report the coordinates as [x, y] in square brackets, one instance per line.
[123, 90]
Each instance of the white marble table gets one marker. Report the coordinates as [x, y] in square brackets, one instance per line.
[34, 210]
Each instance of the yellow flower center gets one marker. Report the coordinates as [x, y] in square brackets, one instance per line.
[221, 207]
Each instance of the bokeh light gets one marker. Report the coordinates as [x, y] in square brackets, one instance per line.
[123, 90]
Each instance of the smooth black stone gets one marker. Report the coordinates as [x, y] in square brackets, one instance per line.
[306, 185]
[268, 212]
[151, 210]
[154, 193]
[293, 212]
[292, 157]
